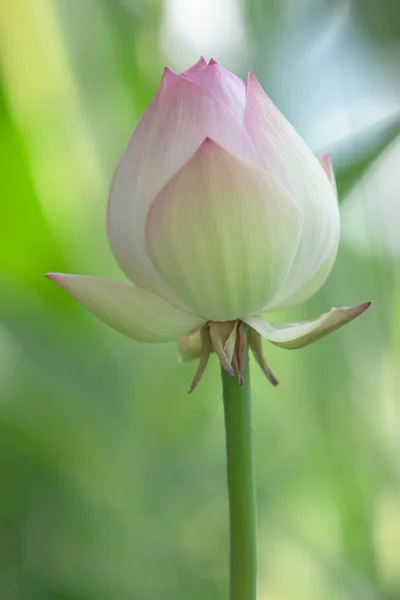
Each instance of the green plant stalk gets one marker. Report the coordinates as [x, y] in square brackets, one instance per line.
[241, 489]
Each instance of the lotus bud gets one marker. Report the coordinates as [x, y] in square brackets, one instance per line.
[218, 213]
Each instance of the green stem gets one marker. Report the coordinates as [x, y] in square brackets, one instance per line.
[242, 505]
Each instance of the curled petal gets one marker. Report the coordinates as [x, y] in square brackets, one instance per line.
[177, 121]
[131, 311]
[282, 151]
[223, 234]
[297, 335]
[222, 83]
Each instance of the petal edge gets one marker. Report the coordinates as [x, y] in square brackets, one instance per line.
[298, 335]
[132, 311]
[196, 234]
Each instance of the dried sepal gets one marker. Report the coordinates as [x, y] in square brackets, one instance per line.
[222, 343]
[230, 344]
[204, 356]
[257, 349]
[240, 355]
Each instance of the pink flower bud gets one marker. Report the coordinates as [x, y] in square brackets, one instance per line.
[218, 211]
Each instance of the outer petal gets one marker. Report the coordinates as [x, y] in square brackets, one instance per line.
[222, 83]
[180, 117]
[297, 335]
[223, 233]
[320, 276]
[284, 153]
[131, 311]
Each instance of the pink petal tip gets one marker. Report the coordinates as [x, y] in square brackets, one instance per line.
[363, 307]
[56, 278]
[251, 77]
[208, 142]
[326, 163]
[168, 76]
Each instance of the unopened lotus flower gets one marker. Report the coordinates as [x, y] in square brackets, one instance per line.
[218, 213]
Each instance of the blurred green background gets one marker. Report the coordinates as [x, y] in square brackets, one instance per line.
[112, 478]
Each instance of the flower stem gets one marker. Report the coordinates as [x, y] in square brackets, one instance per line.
[242, 505]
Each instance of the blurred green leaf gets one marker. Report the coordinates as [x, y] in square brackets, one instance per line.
[21, 210]
[352, 159]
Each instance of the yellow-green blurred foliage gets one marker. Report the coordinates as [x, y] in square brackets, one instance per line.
[112, 478]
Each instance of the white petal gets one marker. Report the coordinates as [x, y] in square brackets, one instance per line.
[224, 234]
[171, 130]
[285, 154]
[297, 335]
[131, 311]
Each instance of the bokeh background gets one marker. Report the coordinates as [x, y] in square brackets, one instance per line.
[112, 478]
